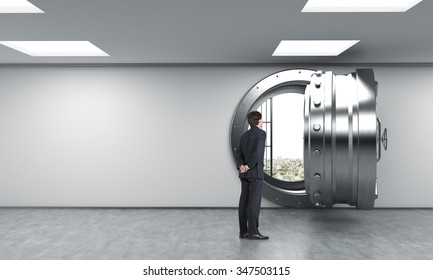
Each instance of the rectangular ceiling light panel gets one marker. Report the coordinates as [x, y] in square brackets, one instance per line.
[55, 48]
[18, 7]
[358, 6]
[313, 47]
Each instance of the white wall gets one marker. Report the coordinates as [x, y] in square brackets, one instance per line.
[159, 136]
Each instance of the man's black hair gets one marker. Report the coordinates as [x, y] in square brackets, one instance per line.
[254, 117]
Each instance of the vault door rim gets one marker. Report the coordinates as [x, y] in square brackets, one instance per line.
[287, 81]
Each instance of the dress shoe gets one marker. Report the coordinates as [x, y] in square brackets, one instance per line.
[243, 235]
[258, 236]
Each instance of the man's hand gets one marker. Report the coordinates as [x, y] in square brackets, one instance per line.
[244, 168]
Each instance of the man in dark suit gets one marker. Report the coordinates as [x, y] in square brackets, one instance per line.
[249, 161]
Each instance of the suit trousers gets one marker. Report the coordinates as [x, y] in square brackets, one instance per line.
[249, 205]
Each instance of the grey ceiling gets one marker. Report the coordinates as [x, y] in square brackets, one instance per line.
[217, 31]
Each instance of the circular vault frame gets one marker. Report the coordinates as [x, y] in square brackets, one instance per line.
[341, 136]
[288, 81]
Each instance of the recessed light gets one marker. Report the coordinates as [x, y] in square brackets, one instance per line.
[313, 47]
[55, 48]
[18, 6]
[358, 6]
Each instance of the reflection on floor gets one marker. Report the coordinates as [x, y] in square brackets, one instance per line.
[72, 233]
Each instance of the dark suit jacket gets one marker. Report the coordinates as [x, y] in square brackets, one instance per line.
[251, 152]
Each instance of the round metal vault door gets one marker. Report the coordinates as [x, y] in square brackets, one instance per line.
[341, 137]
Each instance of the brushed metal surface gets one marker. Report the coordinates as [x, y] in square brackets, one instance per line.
[348, 139]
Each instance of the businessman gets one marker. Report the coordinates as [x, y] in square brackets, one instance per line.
[249, 161]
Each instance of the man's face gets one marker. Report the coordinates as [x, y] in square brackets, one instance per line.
[260, 123]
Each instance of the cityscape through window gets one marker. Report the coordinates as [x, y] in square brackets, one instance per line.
[283, 121]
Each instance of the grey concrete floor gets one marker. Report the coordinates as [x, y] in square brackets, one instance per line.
[87, 234]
